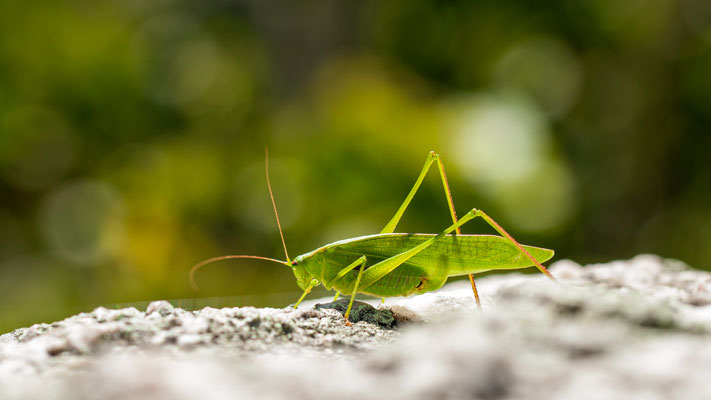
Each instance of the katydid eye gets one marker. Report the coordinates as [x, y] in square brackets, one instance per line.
[293, 262]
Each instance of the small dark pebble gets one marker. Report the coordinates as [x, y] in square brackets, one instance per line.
[362, 312]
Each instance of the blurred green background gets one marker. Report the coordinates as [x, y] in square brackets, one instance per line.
[132, 135]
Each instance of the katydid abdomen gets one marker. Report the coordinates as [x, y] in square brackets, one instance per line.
[451, 255]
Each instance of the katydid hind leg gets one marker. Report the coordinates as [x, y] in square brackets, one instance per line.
[476, 292]
[383, 268]
[453, 213]
[513, 241]
[392, 224]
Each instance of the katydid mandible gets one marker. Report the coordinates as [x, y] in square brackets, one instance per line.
[392, 264]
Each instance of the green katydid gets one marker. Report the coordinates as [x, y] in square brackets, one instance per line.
[392, 264]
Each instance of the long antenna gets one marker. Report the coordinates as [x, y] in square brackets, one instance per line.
[191, 276]
[271, 195]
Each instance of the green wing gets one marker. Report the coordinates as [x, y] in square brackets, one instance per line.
[451, 255]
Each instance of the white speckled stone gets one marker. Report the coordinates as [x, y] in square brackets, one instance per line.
[636, 329]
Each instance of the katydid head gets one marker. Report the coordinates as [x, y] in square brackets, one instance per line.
[304, 278]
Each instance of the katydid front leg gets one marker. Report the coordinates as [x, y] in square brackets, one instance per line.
[307, 291]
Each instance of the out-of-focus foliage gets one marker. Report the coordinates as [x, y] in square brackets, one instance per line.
[132, 135]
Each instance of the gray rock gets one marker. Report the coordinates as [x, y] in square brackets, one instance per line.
[636, 329]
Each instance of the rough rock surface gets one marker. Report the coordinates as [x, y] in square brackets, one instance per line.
[637, 329]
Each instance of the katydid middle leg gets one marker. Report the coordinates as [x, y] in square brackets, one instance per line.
[360, 262]
[390, 227]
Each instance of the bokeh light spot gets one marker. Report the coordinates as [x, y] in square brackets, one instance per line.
[504, 145]
[196, 65]
[36, 147]
[497, 139]
[545, 69]
[541, 202]
[77, 219]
